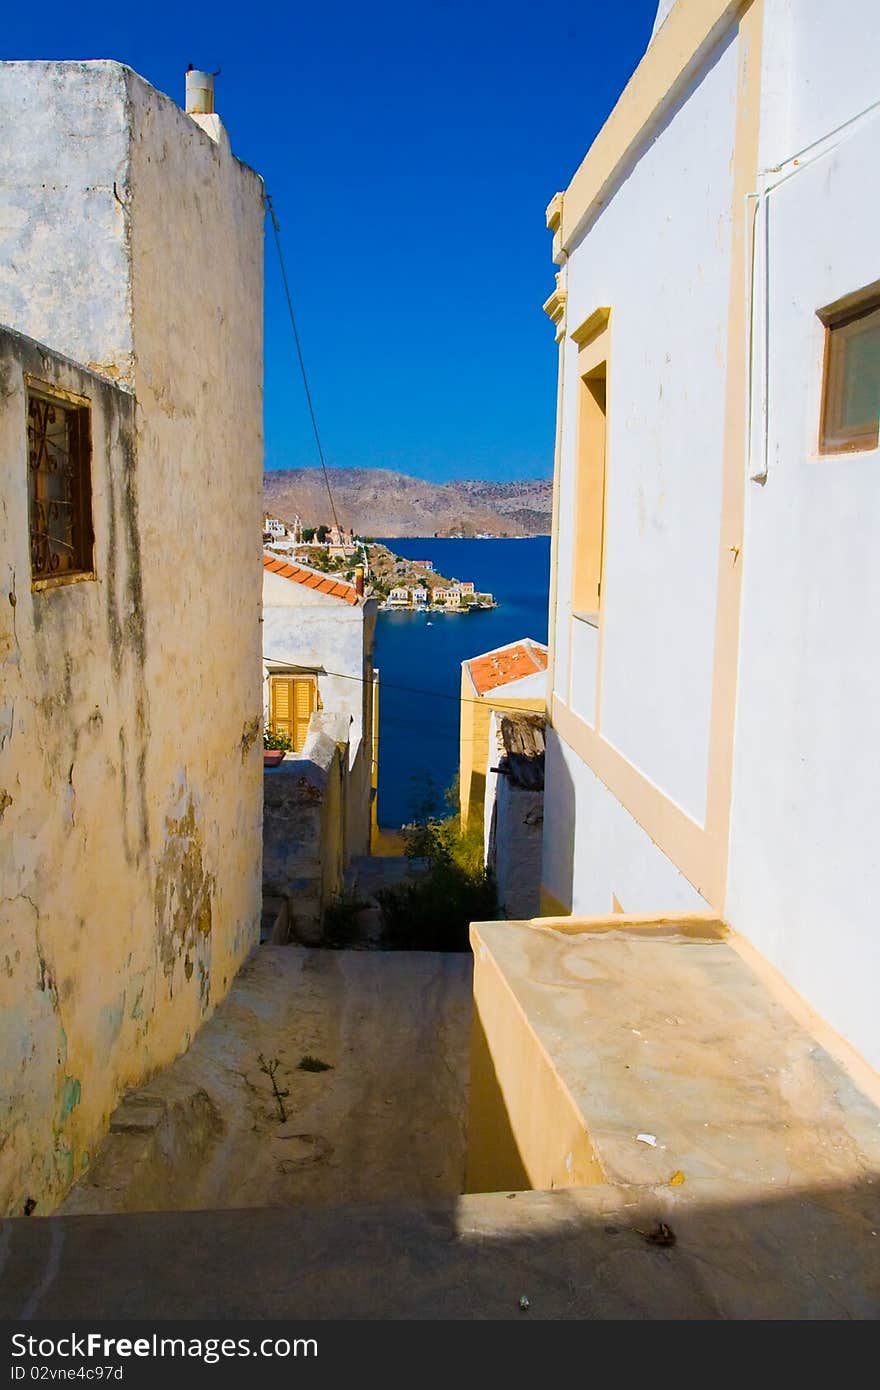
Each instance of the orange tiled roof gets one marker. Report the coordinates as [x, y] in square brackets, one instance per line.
[509, 664]
[310, 579]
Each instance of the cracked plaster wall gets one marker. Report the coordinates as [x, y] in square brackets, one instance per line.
[130, 770]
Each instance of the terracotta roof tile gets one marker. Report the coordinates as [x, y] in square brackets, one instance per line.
[310, 579]
[509, 664]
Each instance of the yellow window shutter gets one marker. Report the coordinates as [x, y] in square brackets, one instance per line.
[303, 706]
[281, 705]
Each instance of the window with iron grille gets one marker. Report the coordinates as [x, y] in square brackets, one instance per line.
[59, 485]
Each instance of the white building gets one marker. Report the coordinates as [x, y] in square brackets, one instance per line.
[716, 581]
[318, 635]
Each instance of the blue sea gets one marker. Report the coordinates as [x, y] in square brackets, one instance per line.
[419, 658]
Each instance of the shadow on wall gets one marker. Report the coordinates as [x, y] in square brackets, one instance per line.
[587, 1253]
[560, 821]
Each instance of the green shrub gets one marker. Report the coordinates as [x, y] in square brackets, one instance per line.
[433, 908]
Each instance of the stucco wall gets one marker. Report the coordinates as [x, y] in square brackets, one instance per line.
[513, 818]
[130, 741]
[304, 812]
[659, 256]
[805, 872]
[594, 850]
[65, 270]
[802, 877]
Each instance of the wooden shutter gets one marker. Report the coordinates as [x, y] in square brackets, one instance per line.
[303, 705]
[292, 703]
[281, 705]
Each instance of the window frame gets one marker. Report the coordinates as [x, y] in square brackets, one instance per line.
[593, 339]
[836, 317]
[80, 408]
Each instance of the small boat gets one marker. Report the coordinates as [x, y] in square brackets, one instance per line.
[429, 624]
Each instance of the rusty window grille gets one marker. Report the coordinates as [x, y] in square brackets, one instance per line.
[59, 486]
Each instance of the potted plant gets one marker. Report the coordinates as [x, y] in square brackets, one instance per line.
[275, 744]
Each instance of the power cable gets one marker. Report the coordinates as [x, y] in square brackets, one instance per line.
[413, 690]
[299, 352]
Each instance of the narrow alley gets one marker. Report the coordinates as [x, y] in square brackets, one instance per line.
[372, 1052]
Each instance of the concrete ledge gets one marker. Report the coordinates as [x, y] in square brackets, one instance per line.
[587, 1253]
[648, 1052]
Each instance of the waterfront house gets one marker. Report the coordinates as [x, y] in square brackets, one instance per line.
[512, 677]
[710, 788]
[399, 597]
[419, 595]
[130, 763]
[446, 597]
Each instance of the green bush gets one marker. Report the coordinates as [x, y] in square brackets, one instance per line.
[433, 908]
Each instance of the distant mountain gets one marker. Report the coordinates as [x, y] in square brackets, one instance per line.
[377, 502]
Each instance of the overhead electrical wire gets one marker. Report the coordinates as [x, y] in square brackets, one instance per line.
[411, 689]
[299, 352]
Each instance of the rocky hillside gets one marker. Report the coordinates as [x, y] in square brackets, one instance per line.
[377, 502]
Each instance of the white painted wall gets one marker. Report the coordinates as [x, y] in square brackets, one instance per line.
[593, 847]
[660, 257]
[512, 833]
[804, 870]
[804, 875]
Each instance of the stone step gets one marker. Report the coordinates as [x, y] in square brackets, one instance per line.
[599, 1252]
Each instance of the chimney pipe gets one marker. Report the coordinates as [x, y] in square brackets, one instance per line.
[199, 92]
[359, 580]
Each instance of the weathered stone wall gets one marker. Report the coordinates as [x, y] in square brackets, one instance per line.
[306, 628]
[305, 851]
[130, 703]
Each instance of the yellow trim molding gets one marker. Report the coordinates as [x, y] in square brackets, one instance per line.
[554, 308]
[592, 326]
[690, 31]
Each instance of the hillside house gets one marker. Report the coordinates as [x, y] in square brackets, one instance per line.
[318, 638]
[130, 791]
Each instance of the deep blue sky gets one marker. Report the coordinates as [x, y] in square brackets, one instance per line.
[410, 151]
